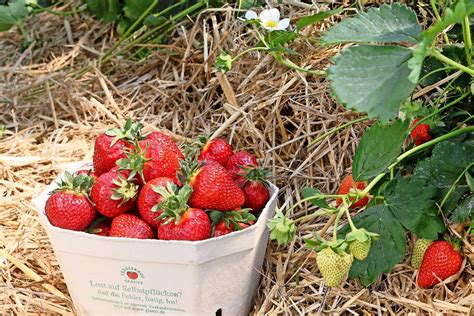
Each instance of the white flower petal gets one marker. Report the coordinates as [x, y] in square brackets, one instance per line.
[265, 15]
[251, 15]
[283, 24]
[274, 14]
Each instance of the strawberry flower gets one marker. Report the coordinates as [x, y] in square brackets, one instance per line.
[269, 19]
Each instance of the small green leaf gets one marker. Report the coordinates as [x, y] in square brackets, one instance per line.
[279, 38]
[317, 201]
[133, 9]
[386, 251]
[153, 20]
[416, 62]
[224, 62]
[123, 25]
[372, 79]
[12, 14]
[248, 4]
[378, 148]
[464, 210]
[105, 10]
[315, 18]
[411, 201]
[387, 24]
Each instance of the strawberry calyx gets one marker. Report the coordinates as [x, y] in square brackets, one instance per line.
[134, 161]
[282, 228]
[318, 243]
[362, 235]
[190, 165]
[231, 218]
[258, 174]
[78, 183]
[126, 190]
[202, 141]
[174, 203]
[130, 132]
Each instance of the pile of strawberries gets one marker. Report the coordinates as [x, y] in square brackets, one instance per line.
[144, 186]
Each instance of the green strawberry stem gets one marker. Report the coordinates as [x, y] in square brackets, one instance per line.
[466, 31]
[436, 54]
[349, 218]
[451, 189]
[334, 196]
[336, 223]
[310, 216]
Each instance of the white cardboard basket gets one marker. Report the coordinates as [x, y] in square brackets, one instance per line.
[124, 276]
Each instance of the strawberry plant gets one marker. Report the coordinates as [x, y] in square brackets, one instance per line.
[413, 169]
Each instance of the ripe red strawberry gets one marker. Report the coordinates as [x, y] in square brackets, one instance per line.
[194, 224]
[130, 226]
[420, 133]
[165, 139]
[148, 198]
[347, 186]
[256, 195]
[113, 194]
[238, 161]
[181, 222]
[441, 260]
[221, 229]
[224, 223]
[217, 150]
[106, 152]
[152, 158]
[255, 189]
[214, 188]
[68, 206]
[163, 159]
[101, 229]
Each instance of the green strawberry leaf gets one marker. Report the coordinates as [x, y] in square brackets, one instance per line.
[279, 38]
[12, 14]
[464, 210]
[133, 9]
[416, 62]
[315, 18]
[317, 201]
[387, 24]
[446, 167]
[378, 148]
[386, 251]
[105, 10]
[411, 201]
[372, 79]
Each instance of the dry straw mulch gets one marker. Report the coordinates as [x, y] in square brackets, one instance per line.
[53, 117]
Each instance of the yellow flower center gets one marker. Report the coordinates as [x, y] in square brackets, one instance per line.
[271, 24]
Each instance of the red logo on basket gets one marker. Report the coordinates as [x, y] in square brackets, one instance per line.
[132, 274]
